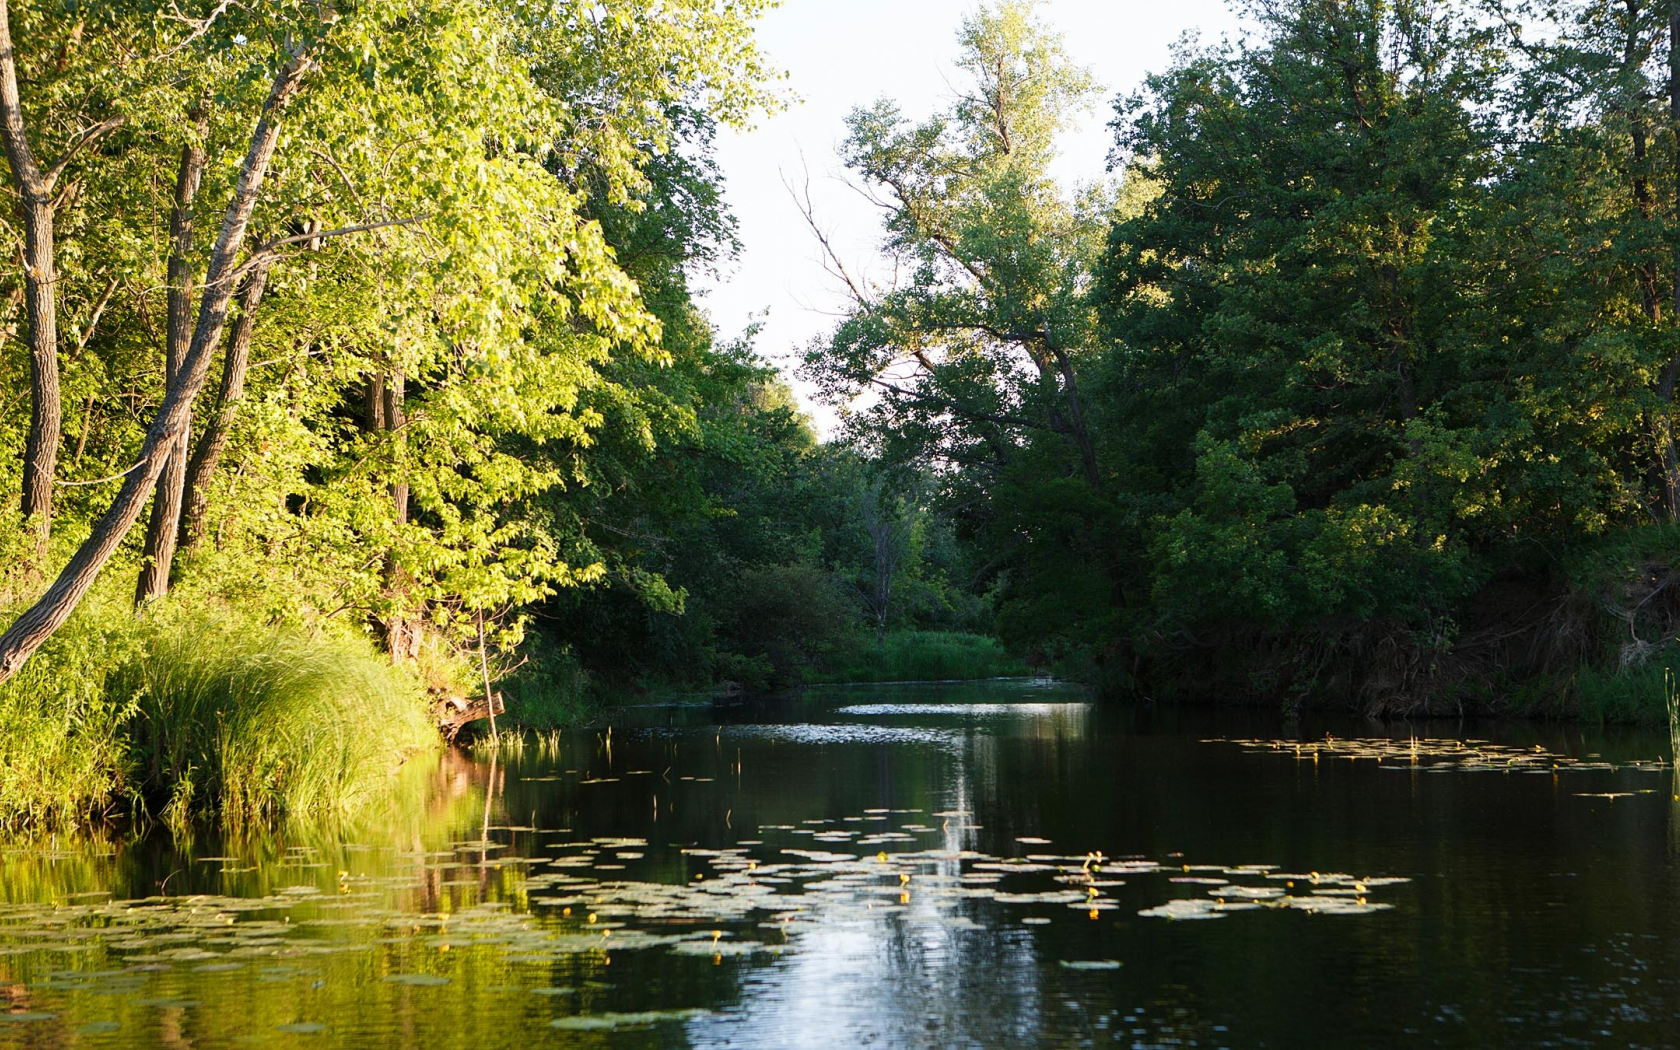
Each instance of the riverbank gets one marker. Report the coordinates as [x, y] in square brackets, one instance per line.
[1588, 636]
[180, 717]
[692, 884]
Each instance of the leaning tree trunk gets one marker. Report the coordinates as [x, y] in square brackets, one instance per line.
[213, 441]
[40, 460]
[39, 621]
[166, 502]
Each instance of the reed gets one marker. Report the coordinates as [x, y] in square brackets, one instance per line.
[1671, 700]
[253, 723]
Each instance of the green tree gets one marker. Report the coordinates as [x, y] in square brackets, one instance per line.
[976, 357]
[460, 281]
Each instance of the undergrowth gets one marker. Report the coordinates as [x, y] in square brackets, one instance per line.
[64, 758]
[924, 656]
[184, 715]
[257, 723]
[549, 692]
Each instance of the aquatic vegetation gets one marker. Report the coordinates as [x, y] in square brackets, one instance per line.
[1671, 703]
[1440, 755]
[576, 906]
[613, 1021]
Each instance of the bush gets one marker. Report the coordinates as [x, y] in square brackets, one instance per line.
[927, 656]
[63, 756]
[552, 690]
[199, 716]
[787, 618]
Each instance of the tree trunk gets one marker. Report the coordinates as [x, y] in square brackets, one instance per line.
[40, 460]
[1671, 371]
[208, 454]
[1078, 432]
[46, 412]
[39, 621]
[389, 394]
[166, 502]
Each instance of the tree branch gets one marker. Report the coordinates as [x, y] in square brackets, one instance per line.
[87, 138]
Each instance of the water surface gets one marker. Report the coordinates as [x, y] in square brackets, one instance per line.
[970, 865]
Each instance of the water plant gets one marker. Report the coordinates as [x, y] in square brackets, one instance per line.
[1671, 701]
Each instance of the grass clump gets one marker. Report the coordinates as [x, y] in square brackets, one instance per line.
[189, 715]
[925, 656]
[254, 723]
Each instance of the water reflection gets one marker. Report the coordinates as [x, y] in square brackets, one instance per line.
[992, 865]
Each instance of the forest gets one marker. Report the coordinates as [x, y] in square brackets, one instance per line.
[354, 368]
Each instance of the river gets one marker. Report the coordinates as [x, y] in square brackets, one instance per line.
[991, 865]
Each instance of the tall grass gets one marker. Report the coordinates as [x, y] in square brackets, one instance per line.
[257, 723]
[1630, 695]
[1671, 700]
[187, 716]
[925, 656]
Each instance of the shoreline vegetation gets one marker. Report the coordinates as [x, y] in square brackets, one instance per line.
[1352, 385]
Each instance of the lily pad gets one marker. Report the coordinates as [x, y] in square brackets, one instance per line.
[610, 1021]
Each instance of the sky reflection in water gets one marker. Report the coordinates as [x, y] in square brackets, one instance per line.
[989, 865]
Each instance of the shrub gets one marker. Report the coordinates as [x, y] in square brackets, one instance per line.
[926, 656]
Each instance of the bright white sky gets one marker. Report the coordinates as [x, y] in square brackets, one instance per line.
[841, 54]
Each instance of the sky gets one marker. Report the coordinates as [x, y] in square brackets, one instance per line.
[840, 54]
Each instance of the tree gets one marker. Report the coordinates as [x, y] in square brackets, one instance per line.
[983, 342]
[510, 299]
[36, 183]
[39, 621]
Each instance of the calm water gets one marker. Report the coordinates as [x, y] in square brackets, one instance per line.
[996, 865]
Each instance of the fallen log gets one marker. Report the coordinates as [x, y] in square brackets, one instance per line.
[454, 713]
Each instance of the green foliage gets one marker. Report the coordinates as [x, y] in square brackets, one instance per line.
[784, 619]
[1636, 696]
[924, 656]
[65, 761]
[252, 723]
[549, 691]
[191, 717]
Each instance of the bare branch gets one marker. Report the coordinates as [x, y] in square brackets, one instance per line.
[98, 312]
[802, 200]
[957, 406]
[197, 27]
[85, 139]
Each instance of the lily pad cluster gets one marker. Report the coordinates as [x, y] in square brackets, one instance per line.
[1440, 755]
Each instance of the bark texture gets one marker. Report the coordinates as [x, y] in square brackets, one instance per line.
[47, 615]
[166, 501]
[35, 187]
[208, 454]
